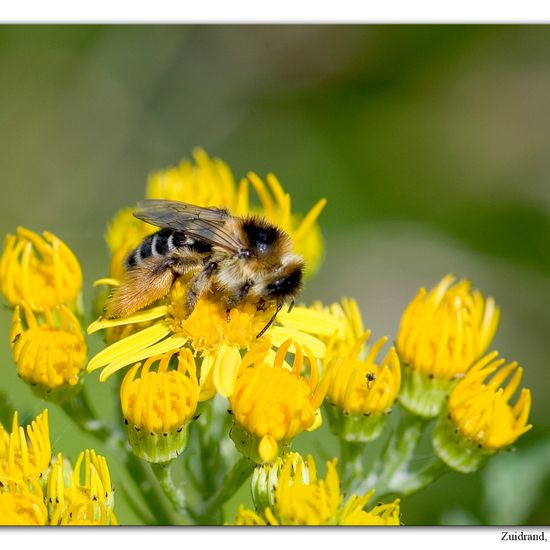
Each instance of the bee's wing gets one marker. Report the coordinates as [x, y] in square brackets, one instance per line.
[200, 223]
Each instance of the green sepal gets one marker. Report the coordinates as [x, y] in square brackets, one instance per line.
[455, 449]
[157, 447]
[423, 395]
[358, 428]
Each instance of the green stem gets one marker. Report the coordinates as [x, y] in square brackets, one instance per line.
[163, 473]
[394, 461]
[211, 511]
[79, 410]
[412, 482]
[353, 462]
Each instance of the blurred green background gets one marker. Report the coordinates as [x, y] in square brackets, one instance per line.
[431, 144]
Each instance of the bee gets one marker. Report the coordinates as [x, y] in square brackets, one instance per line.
[236, 258]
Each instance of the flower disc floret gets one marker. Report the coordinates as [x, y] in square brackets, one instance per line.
[158, 404]
[83, 495]
[26, 454]
[308, 500]
[442, 333]
[362, 392]
[39, 270]
[273, 403]
[480, 419]
[21, 503]
[49, 349]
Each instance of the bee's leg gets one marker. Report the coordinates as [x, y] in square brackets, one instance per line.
[238, 297]
[199, 284]
[270, 322]
[142, 285]
[261, 305]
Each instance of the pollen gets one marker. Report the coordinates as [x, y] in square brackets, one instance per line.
[39, 270]
[48, 347]
[211, 325]
[272, 402]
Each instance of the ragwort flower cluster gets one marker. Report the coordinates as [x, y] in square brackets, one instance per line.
[225, 397]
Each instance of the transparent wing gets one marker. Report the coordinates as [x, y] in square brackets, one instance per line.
[203, 224]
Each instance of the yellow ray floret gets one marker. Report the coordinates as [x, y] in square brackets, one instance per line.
[160, 400]
[444, 331]
[212, 333]
[273, 402]
[83, 495]
[480, 408]
[26, 453]
[40, 270]
[308, 500]
[21, 503]
[48, 348]
[363, 386]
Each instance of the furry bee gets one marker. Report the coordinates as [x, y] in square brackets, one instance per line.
[236, 258]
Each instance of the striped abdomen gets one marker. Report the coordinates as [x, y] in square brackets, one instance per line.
[162, 243]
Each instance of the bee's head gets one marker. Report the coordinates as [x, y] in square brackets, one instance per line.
[287, 280]
[265, 240]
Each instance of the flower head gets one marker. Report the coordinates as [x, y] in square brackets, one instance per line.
[41, 271]
[442, 333]
[83, 495]
[266, 477]
[362, 391]
[212, 333]
[26, 454]
[480, 420]
[313, 501]
[158, 405]
[21, 503]
[49, 350]
[272, 402]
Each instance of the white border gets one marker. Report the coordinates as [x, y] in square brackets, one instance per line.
[268, 538]
[275, 11]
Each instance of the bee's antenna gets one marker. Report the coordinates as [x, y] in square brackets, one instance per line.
[270, 322]
[290, 306]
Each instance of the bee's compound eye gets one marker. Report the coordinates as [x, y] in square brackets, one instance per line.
[283, 286]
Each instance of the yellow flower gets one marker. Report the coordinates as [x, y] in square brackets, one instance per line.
[49, 349]
[362, 386]
[272, 402]
[480, 419]
[442, 333]
[21, 503]
[362, 392]
[41, 271]
[314, 501]
[211, 333]
[26, 457]
[265, 477]
[82, 496]
[158, 405]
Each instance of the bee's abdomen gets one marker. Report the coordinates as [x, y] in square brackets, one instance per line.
[162, 243]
